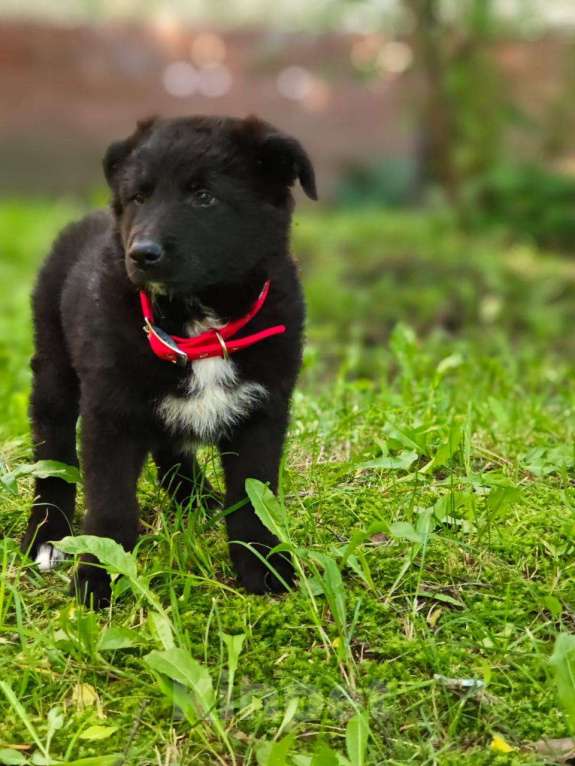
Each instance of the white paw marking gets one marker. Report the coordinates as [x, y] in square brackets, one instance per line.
[48, 557]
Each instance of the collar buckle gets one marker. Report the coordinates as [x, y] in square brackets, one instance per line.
[221, 341]
[180, 358]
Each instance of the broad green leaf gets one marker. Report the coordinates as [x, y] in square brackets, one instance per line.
[355, 566]
[501, 498]
[405, 437]
[443, 597]
[403, 530]
[315, 586]
[107, 551]
[331, 582]
[275, 753]
[234, 646]
[181, 699]
[8, 481]
[55, 722]
[9, 757]
[448, 449]
[563, 661]
[42, 469]
[180, 666]
[96, 733]
[45, 469]
[117, 637]
[445, 508]
[289, 714]
[162, 629]
[425, 524]
[335, 590]
[325, 756]
[356, 738]
[267, 508]
[541, 461]
[401, 462]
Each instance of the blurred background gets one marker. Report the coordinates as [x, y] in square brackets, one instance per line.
[442, 132]
[390, 96]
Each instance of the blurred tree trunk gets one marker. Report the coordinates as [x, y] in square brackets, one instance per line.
[463, 108]
[558, 126]
[436, 118]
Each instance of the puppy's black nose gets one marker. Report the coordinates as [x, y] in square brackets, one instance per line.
[145, 253]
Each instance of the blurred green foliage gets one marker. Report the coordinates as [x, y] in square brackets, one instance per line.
[366, 270]
[528, 201]
[390, 182]
[522, 201]
[27, 229]
[472, 118]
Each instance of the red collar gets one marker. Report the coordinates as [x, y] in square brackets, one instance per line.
[210, 343]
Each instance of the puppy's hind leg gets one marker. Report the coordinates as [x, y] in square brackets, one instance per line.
[53, 414]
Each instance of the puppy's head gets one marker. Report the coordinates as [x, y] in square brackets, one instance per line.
[203, 201]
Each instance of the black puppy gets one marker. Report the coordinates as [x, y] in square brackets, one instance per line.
[172, 321]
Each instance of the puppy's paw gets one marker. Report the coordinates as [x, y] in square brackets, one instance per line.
[37, 538]
[92, 586]
[257, 576]
[48, 557]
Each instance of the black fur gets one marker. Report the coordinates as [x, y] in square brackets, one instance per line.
[93, 359]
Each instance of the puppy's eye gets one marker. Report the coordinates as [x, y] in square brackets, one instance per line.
[203, 198]
[140, 197]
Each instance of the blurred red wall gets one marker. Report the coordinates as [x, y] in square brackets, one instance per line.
[66, 92]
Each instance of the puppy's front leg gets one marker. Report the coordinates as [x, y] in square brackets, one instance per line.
[254, 451]
[112, 460]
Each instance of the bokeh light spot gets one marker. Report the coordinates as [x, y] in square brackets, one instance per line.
[215, 81]
[180, 79]
[395, 57]
[295, 82]
[208, 50]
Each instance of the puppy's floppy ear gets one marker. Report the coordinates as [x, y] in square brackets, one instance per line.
[280, 159]
[118, 152]
[286, 159]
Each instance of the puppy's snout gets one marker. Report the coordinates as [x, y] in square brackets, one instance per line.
[146, 253]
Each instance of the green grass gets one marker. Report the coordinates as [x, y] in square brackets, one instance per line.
[429, 501]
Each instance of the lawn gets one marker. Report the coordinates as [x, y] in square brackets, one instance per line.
[428, 498]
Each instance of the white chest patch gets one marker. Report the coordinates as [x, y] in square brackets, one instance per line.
[214, 399]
